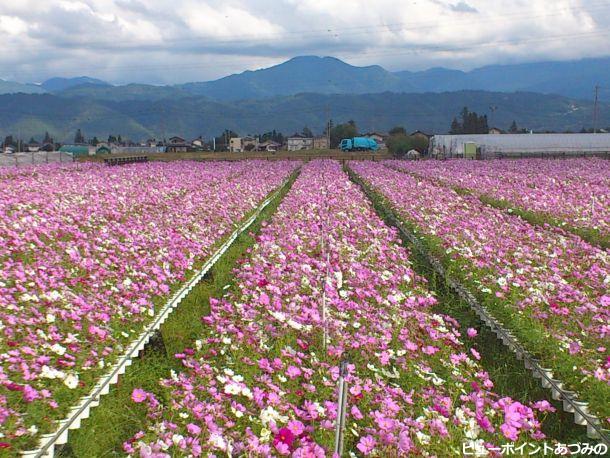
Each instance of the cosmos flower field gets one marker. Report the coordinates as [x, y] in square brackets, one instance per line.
[90, 254]
[571, 193]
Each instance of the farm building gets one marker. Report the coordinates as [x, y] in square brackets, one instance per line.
[75, 150]
[493, 145]
[299, 142]
[103, 149]
[321, 142]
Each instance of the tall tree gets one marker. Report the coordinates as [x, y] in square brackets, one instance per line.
[8, 141]
[307, 132]
[47, 138]
[471, 123]
[456, 127]
[79, 137]
[513, 129]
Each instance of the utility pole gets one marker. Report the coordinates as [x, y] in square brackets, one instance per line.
[328, 124]
[595, 109]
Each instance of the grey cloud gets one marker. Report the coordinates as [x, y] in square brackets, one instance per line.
[463, 7]
[111, 40]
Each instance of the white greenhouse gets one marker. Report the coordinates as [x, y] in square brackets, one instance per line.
[516, 145]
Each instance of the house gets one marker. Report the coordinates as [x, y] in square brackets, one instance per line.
[379, 138]
[177, 145]
[198, 143]
[299, 142]
[420, 134]
[495, 131]
[236, 145]
[9, 149]
[33, 147]
[269, 145]
[241, 144]
[249, 143]
[321, 142]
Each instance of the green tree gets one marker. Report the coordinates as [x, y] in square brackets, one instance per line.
[341, 131]
[79, 137]
[222, 141]
[398, 145]
[398, 130]
[513, 129]
[47, 139]
[8, 141]
[307, 132]
[471, 123]
[456, 127]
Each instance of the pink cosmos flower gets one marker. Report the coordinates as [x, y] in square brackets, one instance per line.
[293, 372]
[544, 406]
[138, 395]
[366, 444]
[471, 332]
[404, 441]
[193, 429]
[284, 436]
[296, 427]
[263, 299]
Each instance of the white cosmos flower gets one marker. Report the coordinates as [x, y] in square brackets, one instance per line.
[176, 438]
[56, 348]
[71, 381]
[232, 388]
[217, 441]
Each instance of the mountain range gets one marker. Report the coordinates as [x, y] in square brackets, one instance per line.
[33, 114]
[329, 75]
[305, 91]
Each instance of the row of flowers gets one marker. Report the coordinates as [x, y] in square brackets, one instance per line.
[550, 288]
[88, 254]
[327, 282]
[574, 192]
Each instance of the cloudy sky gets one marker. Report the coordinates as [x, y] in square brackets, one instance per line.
[173, 41]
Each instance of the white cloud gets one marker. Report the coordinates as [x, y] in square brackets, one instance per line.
[186, 40]
[12, 25]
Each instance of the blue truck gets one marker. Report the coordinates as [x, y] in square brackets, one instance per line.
[358, 144]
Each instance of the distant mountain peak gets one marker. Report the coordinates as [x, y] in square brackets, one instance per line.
[57, 84]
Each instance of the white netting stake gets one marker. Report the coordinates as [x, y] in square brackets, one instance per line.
[341, 409]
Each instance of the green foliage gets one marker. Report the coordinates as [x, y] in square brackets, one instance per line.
[79, 137]
[273, 135]
[222, 141]
[400, 144]
[341, 131]
[398, 130]
[307, 132]
[471, 123]
[9, 141]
